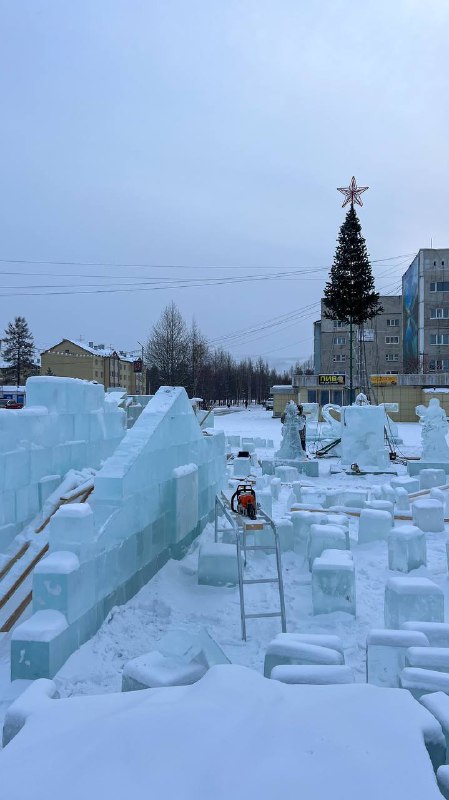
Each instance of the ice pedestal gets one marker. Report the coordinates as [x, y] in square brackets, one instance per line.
[374, 524]
[431, 477]
[61, 583]
[302, 521]
[388, 493]
[438, 494]
[296, 489]
[265, 499]
[402, 500]
[275, 485]
[428, 515]
[412, 599]
[325, 537]
[217, 564]
[290, 649]
[333, 583]
[40, 645]
[242, 467]
[316, 675]
[385, 654]
[248, 444]
[404, 482]
[381, 505]
[72, 528]
[435, 658]
[406, 548]
[286, 474]
[436, 632]
[354, 498]
[286, 534]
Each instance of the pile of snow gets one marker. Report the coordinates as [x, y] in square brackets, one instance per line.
[234, 734]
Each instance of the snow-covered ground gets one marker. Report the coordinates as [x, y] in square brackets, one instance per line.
[174, 599]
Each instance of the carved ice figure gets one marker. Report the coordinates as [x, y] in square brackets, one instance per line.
[332, 429]
[291, 447]
[433, 433]
[361, 400]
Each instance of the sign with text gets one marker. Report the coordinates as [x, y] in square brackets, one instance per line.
[137, 365]
[331, 380]
[383, 380]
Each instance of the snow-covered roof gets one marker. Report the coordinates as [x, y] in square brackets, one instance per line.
[96, 350]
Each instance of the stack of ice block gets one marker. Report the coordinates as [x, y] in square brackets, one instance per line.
[152, 498]
[303, 649]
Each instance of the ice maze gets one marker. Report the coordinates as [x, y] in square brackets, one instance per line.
[151, 498]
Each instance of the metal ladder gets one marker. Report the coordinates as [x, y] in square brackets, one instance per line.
[241, 526]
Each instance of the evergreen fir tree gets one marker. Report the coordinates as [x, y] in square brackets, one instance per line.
[18, 350]
[349, 295]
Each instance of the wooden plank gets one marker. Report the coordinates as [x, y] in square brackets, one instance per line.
[14, 559]
[23, 576]
[17, 613]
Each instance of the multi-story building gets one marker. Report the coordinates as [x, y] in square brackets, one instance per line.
[377, 348]
[425, 292]
[72, 359]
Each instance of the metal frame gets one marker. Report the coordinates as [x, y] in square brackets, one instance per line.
[240, 537]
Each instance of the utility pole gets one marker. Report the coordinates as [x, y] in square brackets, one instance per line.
[351, 386]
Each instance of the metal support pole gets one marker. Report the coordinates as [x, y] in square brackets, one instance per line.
[351, 387]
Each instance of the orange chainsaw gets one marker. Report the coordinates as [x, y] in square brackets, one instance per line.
[243, 501]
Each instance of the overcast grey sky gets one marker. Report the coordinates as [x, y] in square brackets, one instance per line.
[213, 132]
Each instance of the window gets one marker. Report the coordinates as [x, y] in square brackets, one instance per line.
[339, 340]
[324, 396]
[96, 373]
[339, 357]
[439, 313]
[338, 324]
[392, 357]
[67, 352]
[392, 323]
[311, 395]
[337, 397]
[392, 340]
[437, 364]
[439, 286]
[391, 372]
[439, 338]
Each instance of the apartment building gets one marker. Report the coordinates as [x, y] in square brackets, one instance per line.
[425, 292]
[88, 361]
[377, 348]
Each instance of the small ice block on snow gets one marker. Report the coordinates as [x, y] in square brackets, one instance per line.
[385, 654]
[402, 500]
[374, 524]
[275, 485]
[265, 500]
[431, 477]
[380, 505]
[428, 515]
[242, 467]
[325, 537]
[155, 670]
[333, 582]
[412, 598]
[406, 548]
[286, 534]
[217, 564]
[286, 474]
[318, 675]
[436, 632]
[438, 705]
[286, 649]
[409, 484]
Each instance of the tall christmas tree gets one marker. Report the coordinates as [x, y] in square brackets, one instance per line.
[18, 350]
[349, 294]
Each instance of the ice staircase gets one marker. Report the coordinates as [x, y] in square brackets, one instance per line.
[242, 528]
[16, 575]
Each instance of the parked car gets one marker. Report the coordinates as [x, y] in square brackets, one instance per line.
[269, 403]
[9, 403]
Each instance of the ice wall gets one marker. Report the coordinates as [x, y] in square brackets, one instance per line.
[151, 498]
[67, 424]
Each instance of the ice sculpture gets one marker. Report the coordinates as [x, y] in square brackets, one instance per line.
[361, 400]
[291, 447]
[434, 429]
[362, 435]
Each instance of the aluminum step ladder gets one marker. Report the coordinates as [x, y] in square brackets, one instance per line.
[242, 526]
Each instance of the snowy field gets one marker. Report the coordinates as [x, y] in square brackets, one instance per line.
[173, 597]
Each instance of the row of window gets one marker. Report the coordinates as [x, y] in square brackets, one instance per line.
[437, 364]
[439, 286]
[392, 322]
[341, 357]
[439, 338]
[388, 340]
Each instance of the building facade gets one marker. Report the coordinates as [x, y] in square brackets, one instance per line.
[425, 293]
[72, 359]
[377, 347]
